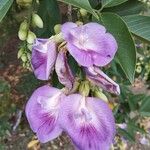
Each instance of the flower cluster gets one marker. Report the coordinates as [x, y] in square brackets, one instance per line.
[87, 120]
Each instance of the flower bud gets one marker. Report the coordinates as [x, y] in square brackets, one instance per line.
[22, 35]
[31, 37]
[24, 58]
[138, 69]
[58, 38]
[20, 52]
[24, 26]
[99, 94]
[36, 19]
[83, 12]
[79, 23]
[84, 88]
[57, 28]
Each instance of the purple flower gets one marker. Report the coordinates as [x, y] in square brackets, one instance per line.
[88, 121]
[63, 70]
[89, 44]
[42, 111]
[43, 58]
[99, 78]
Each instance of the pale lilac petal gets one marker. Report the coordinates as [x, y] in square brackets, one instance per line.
[88, 121]
[43, 58]
[92, 39]
[63, 70]
[99, 78]
[42, 111]
[82, 57]
[66, 27]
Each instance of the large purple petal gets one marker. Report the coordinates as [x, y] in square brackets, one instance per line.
[42, 111]
[99, 78]
[88, 121]
[91, 38]
[63, 70]
[82, 57]
[43, 58]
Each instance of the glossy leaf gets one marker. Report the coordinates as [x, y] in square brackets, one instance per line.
[49, 12]
[127, 8]
[126, 54]
[4, 7]
[111, 3]
[85, 4]
[139, 25]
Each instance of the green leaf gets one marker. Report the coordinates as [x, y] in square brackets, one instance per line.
[49, 12]
[127, 8]
[85, 4]
[111, 3]
[134, 100]
[139, 25]
[126, 54]
[126, 134]
[145, 107]
[4, 7]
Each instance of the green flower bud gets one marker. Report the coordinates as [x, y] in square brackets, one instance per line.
[20, 53]
[31, 37]
[138, 69]
[99, 94]
[36, 19]
[24, 26]
[84, 88]
[79, 23]
[57, 28]
[83, 12]
[24, 58]
[22, 35]
[58, 38]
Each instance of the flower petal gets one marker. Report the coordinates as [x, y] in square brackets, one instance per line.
[66, 27]
[82, 57]
[99, 78]
[92, 39]
[42, 111]
[89, 123]
[43, 58]
[63, 70]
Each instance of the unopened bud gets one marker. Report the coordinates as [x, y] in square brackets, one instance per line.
[24, 26]
[58, 38]
[22, 35]
[31, 37]
[57, 28]
[36, 19]
[84, 88]
[79, 23]
[24, 58]
[138, 69]
[20, 52]
[83, 12]
[99, 94]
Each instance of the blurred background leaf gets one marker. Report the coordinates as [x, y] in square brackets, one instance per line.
[4, 7]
